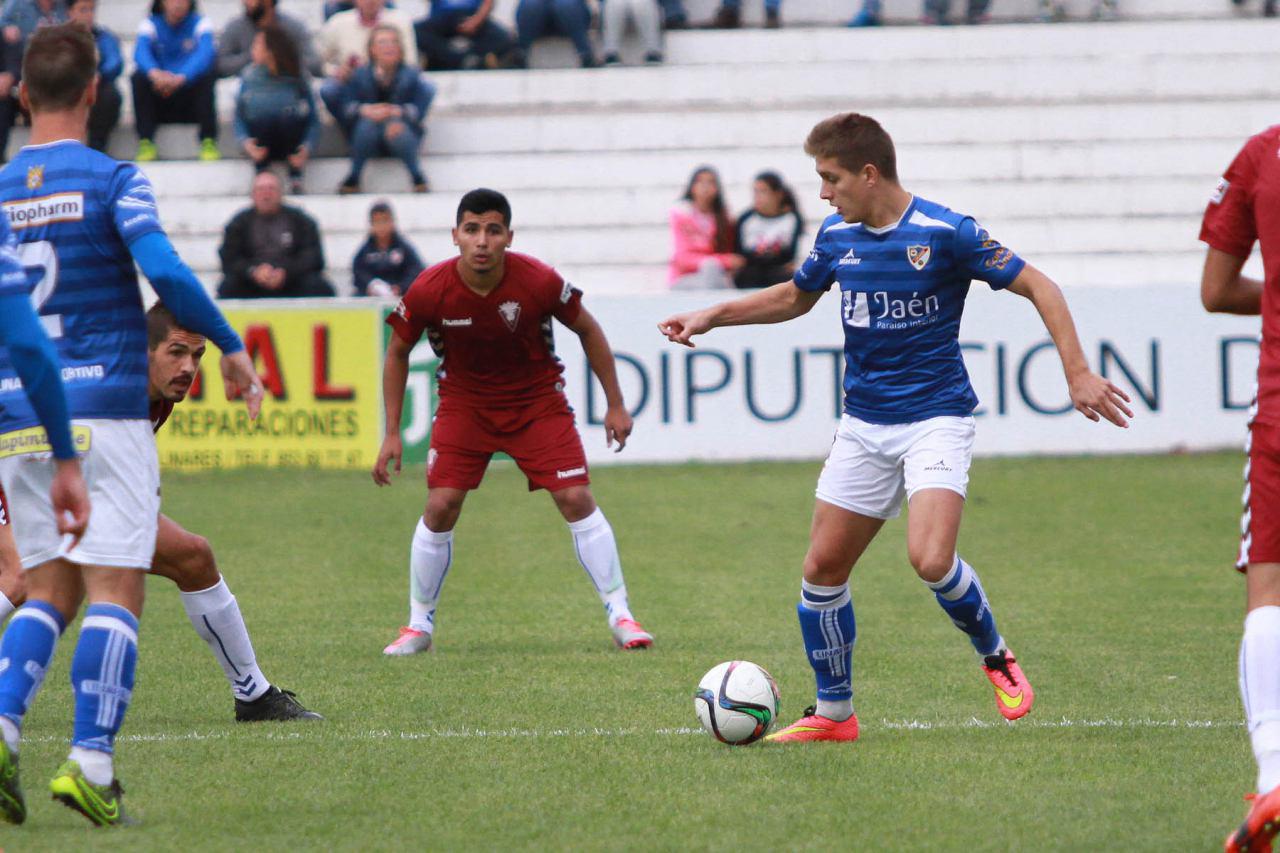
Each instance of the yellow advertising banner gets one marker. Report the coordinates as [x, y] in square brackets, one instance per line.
[321, 370]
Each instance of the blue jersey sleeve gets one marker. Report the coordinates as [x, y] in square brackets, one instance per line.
[182, 293]
[34, 358]
[983, 258]
[818, 272]
[132, 203]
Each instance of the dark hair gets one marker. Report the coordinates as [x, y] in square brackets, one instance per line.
[854, 140]
[725, 232]
[160, 322]
[282, 50]
[157, 7]
[381, 206]
[59, 64]
[774, 182]
[482, 201]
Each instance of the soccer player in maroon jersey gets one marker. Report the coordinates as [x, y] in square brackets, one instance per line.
[1244, 209]
[183, 557]
[488, 314]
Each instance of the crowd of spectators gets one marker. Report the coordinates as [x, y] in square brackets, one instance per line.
[366, 63]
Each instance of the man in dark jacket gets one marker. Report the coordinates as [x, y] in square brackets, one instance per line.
[272, 249]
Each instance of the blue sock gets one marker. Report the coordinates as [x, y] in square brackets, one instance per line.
[826, 623]
[26, 651]
[961, 596]
[102, 674]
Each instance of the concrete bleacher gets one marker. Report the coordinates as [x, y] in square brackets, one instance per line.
[1089, 148]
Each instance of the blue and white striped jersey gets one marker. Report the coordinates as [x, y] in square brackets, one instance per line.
[902, 291]
[74, 213]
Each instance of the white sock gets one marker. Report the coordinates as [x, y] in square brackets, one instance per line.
[1260, 689]
[95, 763]
[6, 607]
[12, 734]
[216, 617]
[429, 559]
[598, 553]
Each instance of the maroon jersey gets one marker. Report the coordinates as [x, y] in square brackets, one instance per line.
[1246, 209]
[160, 411]
[497, 349]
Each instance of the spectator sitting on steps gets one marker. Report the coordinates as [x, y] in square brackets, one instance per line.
[275, 112]
[235, 42]
[386, 264]
[271, 249]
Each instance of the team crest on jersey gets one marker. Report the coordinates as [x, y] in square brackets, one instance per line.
[510, 312]
[918, 256]
[35, 177]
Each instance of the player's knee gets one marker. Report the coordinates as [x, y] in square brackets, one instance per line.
[825, 569]
[442, 513]
[13, 586]
[574, 503]
[196, 568]
[931, 564]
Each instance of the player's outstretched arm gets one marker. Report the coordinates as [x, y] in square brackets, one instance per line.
[617, 420]
[1223, 290]
[395, 373]
[775, 304]
[183, 294]
[1094, 396]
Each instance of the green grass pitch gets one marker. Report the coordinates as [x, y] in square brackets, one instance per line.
[1110, 577]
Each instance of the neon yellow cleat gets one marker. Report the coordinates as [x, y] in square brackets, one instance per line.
[102, 804]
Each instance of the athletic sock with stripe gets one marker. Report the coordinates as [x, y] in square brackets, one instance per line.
[827, 625]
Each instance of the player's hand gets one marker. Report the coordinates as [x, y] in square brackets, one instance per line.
[680, 328]
[617, 427]
[70, 499]
[1096, 397]
[241, 380]
[392, 450]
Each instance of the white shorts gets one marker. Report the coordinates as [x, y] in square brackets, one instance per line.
[122, 472]
[871, 467]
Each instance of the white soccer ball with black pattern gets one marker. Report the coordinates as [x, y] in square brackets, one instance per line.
[736, 702]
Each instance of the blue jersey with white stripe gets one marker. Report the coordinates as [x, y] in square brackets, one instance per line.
[74, 213]
[902, 290]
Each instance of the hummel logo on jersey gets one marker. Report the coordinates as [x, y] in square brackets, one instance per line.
[918, 256]
[571, 472]
[850, 260]
[510, 312]
[463, 321]
[1220, 191]
[940, 465]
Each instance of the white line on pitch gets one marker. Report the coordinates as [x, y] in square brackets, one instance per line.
[318, 732]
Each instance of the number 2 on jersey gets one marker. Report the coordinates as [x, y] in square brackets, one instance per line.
[41, 255]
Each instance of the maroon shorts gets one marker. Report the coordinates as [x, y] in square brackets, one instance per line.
[1260, 526]
[540, 437]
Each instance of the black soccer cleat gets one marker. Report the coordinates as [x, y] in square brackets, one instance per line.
[275, 704]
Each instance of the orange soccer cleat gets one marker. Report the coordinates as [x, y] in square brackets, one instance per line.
[409, 642]
[1014, 696]
[812, 727]
[1260, 826]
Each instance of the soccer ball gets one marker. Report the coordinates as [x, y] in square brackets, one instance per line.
[736, 702]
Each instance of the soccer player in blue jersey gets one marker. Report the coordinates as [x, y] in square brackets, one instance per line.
[903, 266]
[81, 221]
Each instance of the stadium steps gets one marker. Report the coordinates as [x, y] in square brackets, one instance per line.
[1089, 148]
[123, 17]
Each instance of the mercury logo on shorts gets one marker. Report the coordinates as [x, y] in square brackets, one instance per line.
[572, 472]
[940, 465]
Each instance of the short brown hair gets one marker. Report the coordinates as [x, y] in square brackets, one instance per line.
[59, 64]
[854, 140]
[373, 34]
[160, 322]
